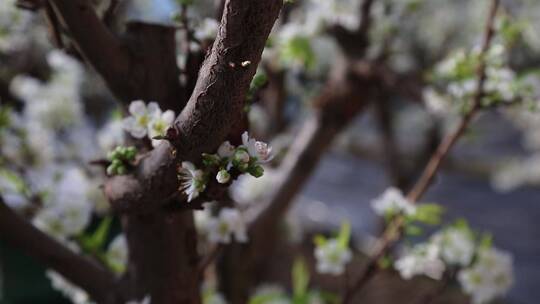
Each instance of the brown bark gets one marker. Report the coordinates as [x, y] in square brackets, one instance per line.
[162, 257]
[162, 245]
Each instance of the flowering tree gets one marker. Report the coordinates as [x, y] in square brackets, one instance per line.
[200, 201]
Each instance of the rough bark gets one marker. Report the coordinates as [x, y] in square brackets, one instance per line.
[139, 65]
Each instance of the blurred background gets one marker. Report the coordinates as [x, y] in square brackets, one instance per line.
[490, 179]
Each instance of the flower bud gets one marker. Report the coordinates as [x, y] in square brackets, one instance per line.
[223, 177]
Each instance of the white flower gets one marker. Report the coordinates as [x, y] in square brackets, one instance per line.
[392, 201]
[159, 126]
[248, 189]
[422, 259]
[256, 149]
[141, 117]
[228, 223]
[223, 177]
[331, 257]
[457, 246]
[117, 253]
[74, 293]
[436, 103]
[67, 211]
[145, 300]
[491, 276]
[193, 182]
[225, 150]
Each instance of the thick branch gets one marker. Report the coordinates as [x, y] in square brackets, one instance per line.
[79, 270]
[214, 107]
[93, 39]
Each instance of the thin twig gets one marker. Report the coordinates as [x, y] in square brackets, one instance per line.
[209, 258]
[395, 228]
[54, 25]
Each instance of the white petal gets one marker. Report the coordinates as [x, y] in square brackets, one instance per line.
[153, 110]
[168, 117]
[137, 108]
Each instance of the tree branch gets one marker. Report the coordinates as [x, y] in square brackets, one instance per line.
[395, 229]
[214, 107]
[81, 271]
[93, 39]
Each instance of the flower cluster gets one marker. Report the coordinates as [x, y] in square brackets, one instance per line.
[333, 254]
[490, 276]
[120, 159]
[228, 161]
[392, 202]
[147, 120]
[457, 74]
[484, 272]
[421, 259]
[222, 228]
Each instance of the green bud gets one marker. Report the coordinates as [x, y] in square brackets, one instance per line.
[256, 171]
[223, 177]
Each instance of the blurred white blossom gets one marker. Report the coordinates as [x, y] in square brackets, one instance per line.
[491, 276]
[332, 257]
[391, 202]
[227, 224]
[422, 259]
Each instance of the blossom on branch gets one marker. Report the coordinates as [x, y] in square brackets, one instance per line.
[392, 202]
[227, 224]
[193, 180]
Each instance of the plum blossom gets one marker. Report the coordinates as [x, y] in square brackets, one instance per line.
[67, 211]
[223, 177]
[193, 180]
[491, 276]
[228, 223]
[159, 126]
[142, 116]
[332, 257]
[258, 150]
[457, 246]
[226, 150]
[422, 259]
[392, 202]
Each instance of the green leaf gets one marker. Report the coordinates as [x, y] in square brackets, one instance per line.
[486, 241]
[319, 240]
[329, 297]
[300, 279]
[344, 235]
[385, 262]
[429, 214]
[95, 242]
[298, 50]
[266, 298]
[413, 230]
